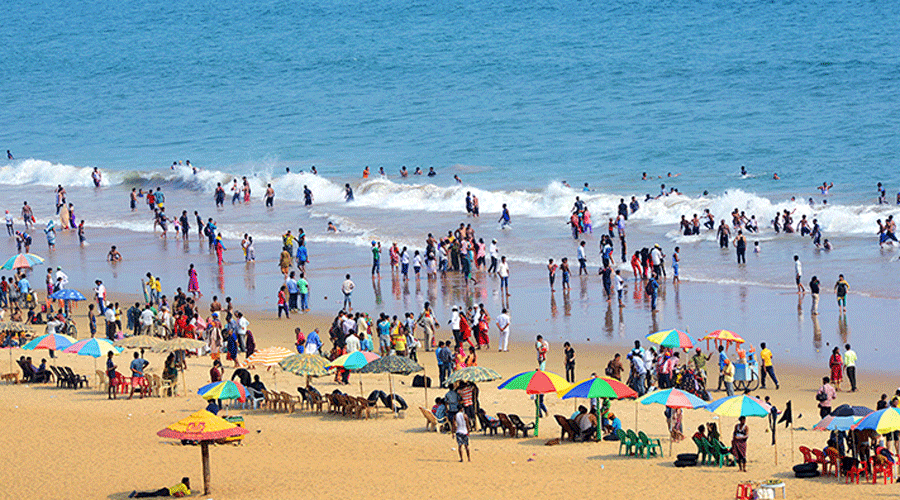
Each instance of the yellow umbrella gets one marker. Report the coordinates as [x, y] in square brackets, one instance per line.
[269, 356]
[204, 427]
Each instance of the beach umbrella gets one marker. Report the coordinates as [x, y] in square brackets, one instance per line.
[93, 347]
[310, 365]
[673, 398]
[226, 389]
[392, 365]
[600, 387]
[67, 294]
[354, 360]
[720, 336]
[881, 421]
[536, 382]
[53, 341]
[22, 261]
[846, 410]
[269, 356]
[833, 423]
[739, 406]
[139, 342]
[474, 374]
[179, 344]
[671, 338]
[204, 427]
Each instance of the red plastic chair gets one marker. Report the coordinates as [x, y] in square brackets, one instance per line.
[833, 460]
[807, 455]
[744, 492]
[822, 460]
[885, 468]
[857, 470]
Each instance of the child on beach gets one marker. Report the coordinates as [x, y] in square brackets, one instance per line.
[551, 269]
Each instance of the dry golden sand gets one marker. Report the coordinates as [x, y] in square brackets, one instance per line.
[76, 444]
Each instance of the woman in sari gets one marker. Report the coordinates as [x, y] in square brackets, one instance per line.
[836, 363]
[739, 443]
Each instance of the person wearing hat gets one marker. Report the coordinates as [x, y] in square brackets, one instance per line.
[728, 377]
[699, 361]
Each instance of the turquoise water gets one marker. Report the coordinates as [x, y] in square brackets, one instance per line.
[582, 91]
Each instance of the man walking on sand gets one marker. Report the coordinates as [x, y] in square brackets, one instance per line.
[850, 366]
[768, 369]
[798, 274]
[462, 434]
[347, 289]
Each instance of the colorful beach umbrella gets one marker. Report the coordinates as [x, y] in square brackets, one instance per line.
[474, 374]
[179, 344]
[22, 261]
[354, 360]
[739, 406]
[673, 398]
[881, 421]
[204, 427]
[93, 347]
[223, 390]
[599, 387]
[53, 341]
[310, 365]
[724, 336]
[269, 356]
[67, 294]
[536, 382]
[671, 338]
[833, 423]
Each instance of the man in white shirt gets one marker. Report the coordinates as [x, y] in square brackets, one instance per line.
[100, 294]
[656, 260]
[146, 321]
[352, 343]
[462, 434]
[110, 316]
[347, 290]
[348, 324]
[494, 252]
[620, 287]
[850, 365]
[798, 274]
[61, 277]
[582, 259]
[503, 272]
[243, 323]
[454, 325]
[503, 324]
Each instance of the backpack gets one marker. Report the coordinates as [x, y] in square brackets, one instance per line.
[648, 288]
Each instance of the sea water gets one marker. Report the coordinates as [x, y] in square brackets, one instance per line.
[525, 103]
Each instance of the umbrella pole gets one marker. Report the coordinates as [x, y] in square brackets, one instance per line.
[425, 383]
[635, 414]
[792, 442]
[204, 454]
[393, 404]
[537, 413]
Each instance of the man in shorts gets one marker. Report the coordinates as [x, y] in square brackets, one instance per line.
[462, 434]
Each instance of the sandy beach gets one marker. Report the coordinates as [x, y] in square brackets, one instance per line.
[82, 445]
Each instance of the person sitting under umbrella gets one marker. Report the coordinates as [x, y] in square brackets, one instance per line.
[587, 423]
[611, 426]
[181, 489]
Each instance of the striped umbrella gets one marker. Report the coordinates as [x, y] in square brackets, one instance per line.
[391, 364]
[269, 356]
[671, 338]
[474, 374]
[22, 261]
[93, 347]
[536, 382]
[179, 344]
[881, 421]
[739, 406]
[310, 365]
[673, 398]
[354, 360]
[599, 387]
[720, 336]
[53, 341]
[139, 342]
[223, 390]
[833, 423]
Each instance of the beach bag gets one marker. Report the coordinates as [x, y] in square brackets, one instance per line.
[609, 371]
[821, 397]
[421, 381]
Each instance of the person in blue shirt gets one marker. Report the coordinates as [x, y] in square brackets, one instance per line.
[313, 342]
[293, 291]
[504, 217]
[137, 367]
[612, 425]
[722, 358]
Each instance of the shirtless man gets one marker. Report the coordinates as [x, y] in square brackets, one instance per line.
[114, 255]
[270, 195]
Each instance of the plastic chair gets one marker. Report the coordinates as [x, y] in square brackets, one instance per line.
[636, 443]
[834, 460]
[821, 459]
[702, 456]
[744, 492]
[651, 446]
[885, 468]
[807, 455]
[624, 442]
[857, 470]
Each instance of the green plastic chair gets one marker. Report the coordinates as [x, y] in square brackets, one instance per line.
[702, 455]
[720, 455]
[651, 446]
[636, 443]
[624, 442]
[725, 457]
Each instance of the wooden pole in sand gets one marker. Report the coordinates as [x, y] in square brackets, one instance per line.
[792, 442]
[775, 446]
[204, 454]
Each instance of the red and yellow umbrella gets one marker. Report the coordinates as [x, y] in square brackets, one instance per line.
[537, 382]
[720, 336]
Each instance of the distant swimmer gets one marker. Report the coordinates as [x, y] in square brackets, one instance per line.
[381, 172]
[314, 171]
[743, 170]
[586, 188]
[418, 171]
[670, 174]
[114, 255]
[366, 172]
[644, 176]
[97, 176]
[457, 179]
[825, 187]
[9, 155]
[174, 164]
[403, 171]
[504, 218]
[307, 196]
[348, 192]
[431, 172]
[270, 195]
[775, 176]
[331, 227]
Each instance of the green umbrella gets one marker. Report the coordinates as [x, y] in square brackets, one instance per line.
[392, 364]
[473, 374]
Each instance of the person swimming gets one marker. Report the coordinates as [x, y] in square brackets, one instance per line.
[743, 170]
